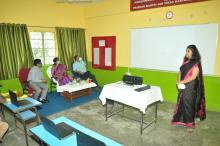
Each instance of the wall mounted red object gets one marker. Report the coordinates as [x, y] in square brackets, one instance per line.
[103, 52]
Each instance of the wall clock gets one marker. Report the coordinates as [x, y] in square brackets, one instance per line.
[169, 15]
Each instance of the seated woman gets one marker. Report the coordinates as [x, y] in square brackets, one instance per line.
[59, 72]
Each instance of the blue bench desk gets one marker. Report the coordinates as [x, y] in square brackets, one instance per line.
[17, 109]
[51, 140]
[23, 113]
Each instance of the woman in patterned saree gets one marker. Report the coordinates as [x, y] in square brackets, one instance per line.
[59, 72]
[191, 99]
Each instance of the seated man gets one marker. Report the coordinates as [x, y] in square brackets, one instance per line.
[37, 81]
[80, 71]
[59, 72]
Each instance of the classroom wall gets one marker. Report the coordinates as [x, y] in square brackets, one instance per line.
[113, 18]
[41, 13]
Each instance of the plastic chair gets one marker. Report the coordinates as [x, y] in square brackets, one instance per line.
[23, 75]
[53, 82]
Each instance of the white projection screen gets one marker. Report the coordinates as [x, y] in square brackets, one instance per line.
[163, 48]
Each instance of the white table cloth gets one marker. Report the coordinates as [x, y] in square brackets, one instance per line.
[73, 86]
[127, 95]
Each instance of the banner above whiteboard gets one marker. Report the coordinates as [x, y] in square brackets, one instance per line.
[149, 4]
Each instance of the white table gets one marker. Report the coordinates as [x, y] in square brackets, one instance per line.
[73, 89]
[126, 95]
[73, 86]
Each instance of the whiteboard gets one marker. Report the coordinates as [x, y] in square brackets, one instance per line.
[163, 48]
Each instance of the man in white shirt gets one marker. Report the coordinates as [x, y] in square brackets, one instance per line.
[37, 81]
[80, 71]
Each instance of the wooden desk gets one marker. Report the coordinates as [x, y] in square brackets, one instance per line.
[72, 95]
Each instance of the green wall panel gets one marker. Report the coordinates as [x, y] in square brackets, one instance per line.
[166, 81]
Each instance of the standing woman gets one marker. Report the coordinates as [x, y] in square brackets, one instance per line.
[191, 99]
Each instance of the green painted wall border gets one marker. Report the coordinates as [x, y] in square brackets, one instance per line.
[166, 80]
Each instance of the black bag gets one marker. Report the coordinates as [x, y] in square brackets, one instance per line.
[132, 80]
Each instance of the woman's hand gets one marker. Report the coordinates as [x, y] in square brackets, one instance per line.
[180, 82]
[195, 73]
[59, 77]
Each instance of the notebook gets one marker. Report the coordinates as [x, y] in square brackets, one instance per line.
[15, 101]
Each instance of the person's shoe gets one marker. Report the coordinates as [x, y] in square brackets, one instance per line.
[45, 100]
[41, 100]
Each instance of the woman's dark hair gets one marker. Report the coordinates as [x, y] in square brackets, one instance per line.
[195, 54]
[37, 61]
[55, 60]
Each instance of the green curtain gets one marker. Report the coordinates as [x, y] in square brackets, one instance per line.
[15, 50]
[71, 42]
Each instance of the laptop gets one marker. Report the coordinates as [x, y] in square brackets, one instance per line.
[15, 101]
[86, 140]
[63, 130]
[60, 130]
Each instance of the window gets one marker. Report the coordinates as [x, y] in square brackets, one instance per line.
[43, 46]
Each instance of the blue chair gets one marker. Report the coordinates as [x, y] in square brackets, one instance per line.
[26, 117]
